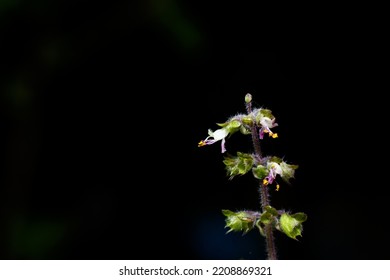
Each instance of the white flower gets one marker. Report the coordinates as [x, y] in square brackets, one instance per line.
[218, 135]
[274, 169]
[266, 125]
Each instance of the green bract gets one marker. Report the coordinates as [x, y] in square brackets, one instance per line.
[259, 172]
[239, 165]
[288, 171]
[276, 166]
[231, 125]
[291, 225]
[240, 221]
[261, 113]
[268, 215]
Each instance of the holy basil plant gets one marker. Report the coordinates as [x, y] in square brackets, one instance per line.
[256, 123]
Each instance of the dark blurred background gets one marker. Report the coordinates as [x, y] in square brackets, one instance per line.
[103, 104]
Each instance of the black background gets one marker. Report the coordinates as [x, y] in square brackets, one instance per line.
[103, 104]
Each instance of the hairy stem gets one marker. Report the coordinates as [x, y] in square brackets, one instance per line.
[255, 138]
[264, 194]
[269, 234]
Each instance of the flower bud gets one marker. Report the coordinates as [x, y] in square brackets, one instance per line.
[248, 98]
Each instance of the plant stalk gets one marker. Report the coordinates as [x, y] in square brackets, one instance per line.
[264, 194]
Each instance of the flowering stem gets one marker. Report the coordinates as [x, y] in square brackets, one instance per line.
[255, 138]
[269, 234]
[264, 194]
